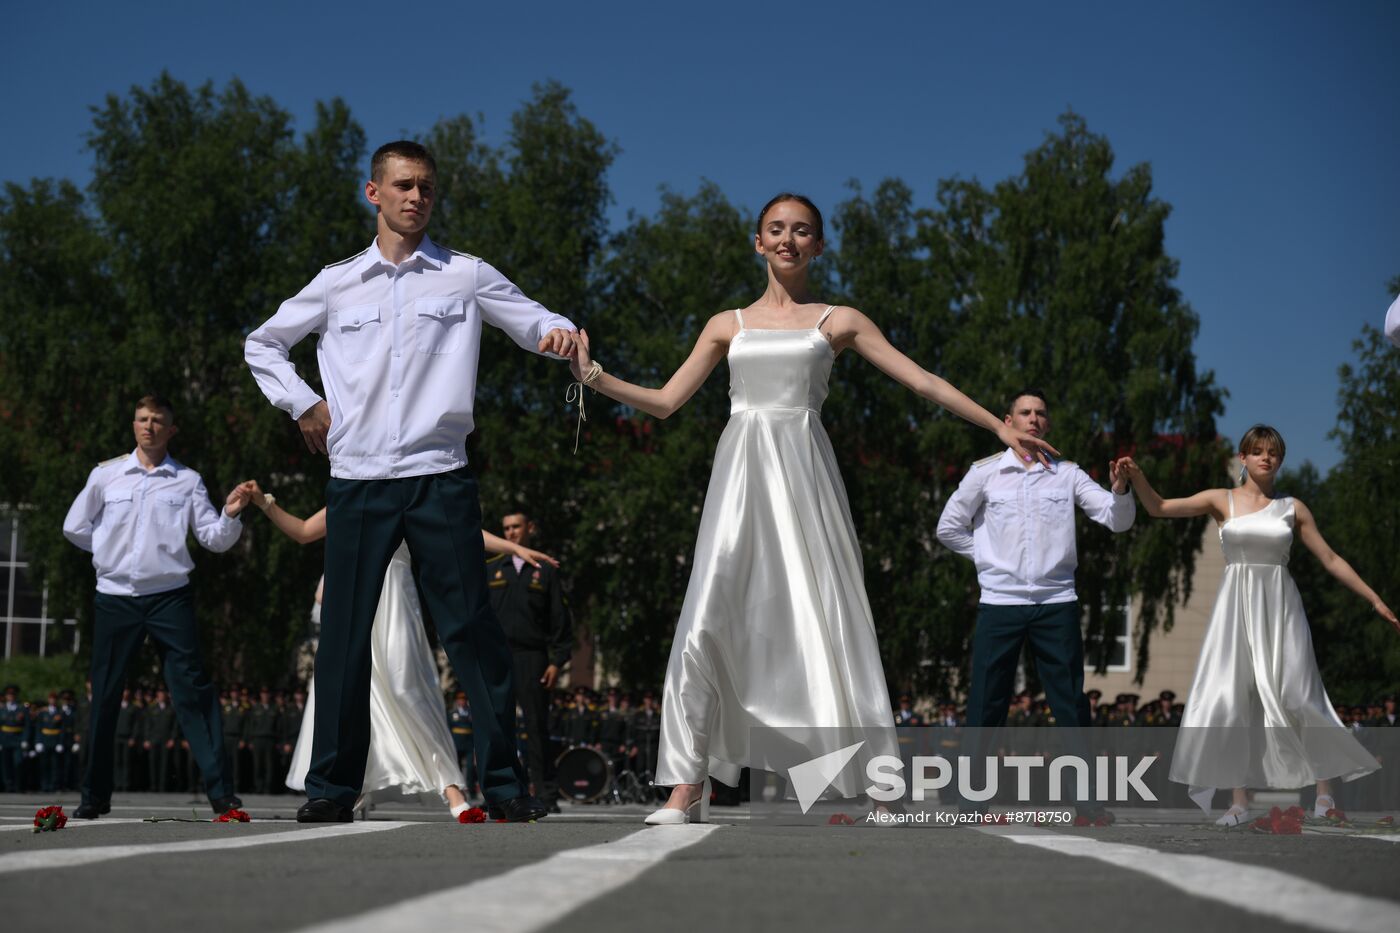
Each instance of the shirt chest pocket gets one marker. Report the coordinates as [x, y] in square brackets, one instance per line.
[360, 329]
[440, 323]
[1001, 504]
[168, 511]
[116, 505]
[1055, 507]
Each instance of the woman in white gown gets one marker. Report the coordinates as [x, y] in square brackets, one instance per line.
[775, 630]
[1257, 714]
[410, 751]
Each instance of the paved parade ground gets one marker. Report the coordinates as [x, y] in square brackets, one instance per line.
[596, 868]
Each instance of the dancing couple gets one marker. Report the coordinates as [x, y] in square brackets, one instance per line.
[399, 336]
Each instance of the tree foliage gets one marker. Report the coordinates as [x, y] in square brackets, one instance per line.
[206, 210]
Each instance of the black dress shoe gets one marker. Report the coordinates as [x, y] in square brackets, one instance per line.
[521, 809]
[91, 811]
[225, 804]
[554, 807]
[1094, 816]
[322, 810]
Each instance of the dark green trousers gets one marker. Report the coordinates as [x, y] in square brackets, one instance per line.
[121, 624]
[439, 515]
[1057, 647]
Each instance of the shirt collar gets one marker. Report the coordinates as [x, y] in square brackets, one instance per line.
[1010, 460]
[374, 262]
[166, 466]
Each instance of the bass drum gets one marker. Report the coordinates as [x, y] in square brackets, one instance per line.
[583, 774]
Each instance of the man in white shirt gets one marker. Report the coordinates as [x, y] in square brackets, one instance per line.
[1016, 522]
[134, 515]
[399, 329]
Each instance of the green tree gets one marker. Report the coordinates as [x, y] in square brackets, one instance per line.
[641, 482]
[1359, 654]
[1057, 278]
[202, 206]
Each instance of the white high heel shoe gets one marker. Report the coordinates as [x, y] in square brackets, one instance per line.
[1320, 808]
[697, 812]
[1235, 816]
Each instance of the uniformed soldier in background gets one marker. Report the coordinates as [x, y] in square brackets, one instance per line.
[644, 734]
[292, 715]
[14, 741]
[158, 740]
[261, 726]
[581, 726]
[459, 723]
[126, 736]
[78, 716]
[234, 744]
[612, 729]
[1096, 712]
[51, 727]
[529, 601]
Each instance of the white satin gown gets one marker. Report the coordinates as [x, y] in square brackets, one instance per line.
[1258, 715]
[410, 748]
[776, 629]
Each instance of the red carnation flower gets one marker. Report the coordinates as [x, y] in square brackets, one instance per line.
[233, 816]
[49, 819]
[1278, 823]
[840, 819]
[473, 815]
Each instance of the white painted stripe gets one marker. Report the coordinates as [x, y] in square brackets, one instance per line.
[513, 901]
[72, 858]
[1250, 888]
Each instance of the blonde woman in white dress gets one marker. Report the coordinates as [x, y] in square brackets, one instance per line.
[411, 752]
[1257, 714]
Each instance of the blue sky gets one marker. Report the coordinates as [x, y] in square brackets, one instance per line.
[1273, 128]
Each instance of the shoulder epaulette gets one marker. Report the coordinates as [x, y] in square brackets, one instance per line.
[458, 252]
[986, 460]
[118, 459]
[349, 258]
[494, 558]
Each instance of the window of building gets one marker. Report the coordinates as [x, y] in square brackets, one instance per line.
[26, 617]
[1120, 644]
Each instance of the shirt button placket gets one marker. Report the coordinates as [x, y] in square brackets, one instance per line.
[396, 366]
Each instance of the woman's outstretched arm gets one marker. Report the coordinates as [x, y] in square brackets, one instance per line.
[497, 545]
[663, 402]
[1334, 564]
[1210, 502]
[851, 328]
[300, 530]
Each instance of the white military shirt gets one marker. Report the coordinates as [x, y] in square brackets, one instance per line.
[135, 522]
[398, 355]
[1016, 521]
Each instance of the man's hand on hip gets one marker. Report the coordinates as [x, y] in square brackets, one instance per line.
[315, 424]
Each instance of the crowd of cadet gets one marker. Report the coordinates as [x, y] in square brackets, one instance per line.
[41, 742]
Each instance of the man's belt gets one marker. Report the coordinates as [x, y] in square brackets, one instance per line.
[11, 728]
[51, 731]
[459, 731]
